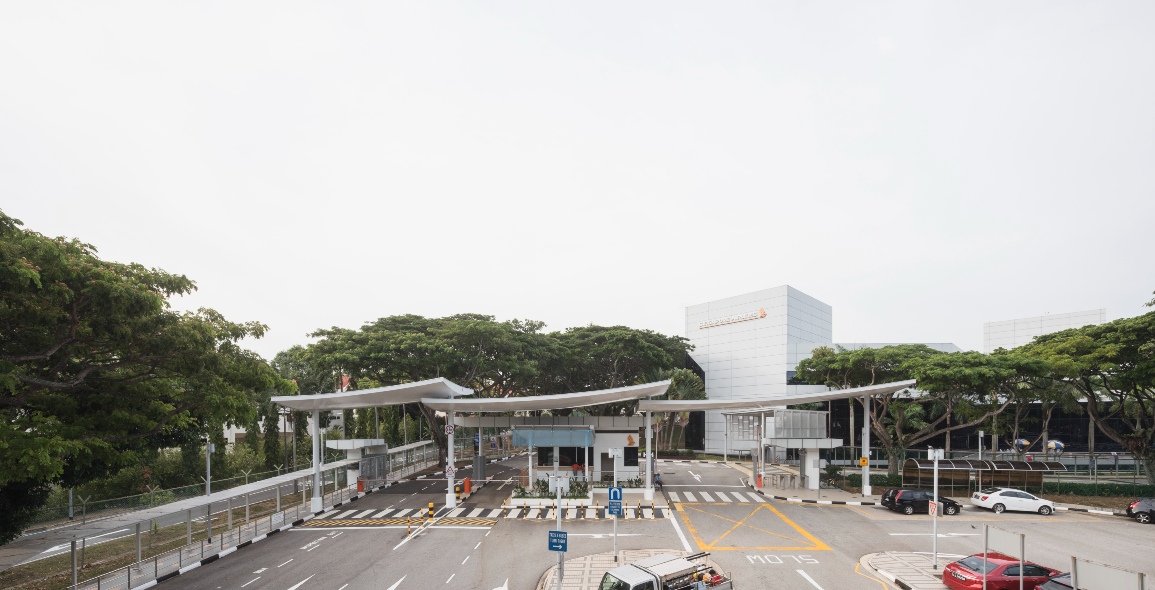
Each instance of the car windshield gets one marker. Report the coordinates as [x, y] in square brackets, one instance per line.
[976, 564]
[989, 490]
[611, 583]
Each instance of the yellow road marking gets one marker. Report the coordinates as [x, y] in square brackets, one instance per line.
[737, 523]
[869, 577]
[817, 545]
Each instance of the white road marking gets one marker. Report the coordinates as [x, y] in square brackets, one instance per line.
[706, 496]
[674, 496]
[504, 586]
[756, 497]
[465, 560]
[302, 582]
[940, 535]
[456, 512]
[695, 475]
[398, 582]
[260, 570]
[690, 498]
[284, 563]
[694, 485]
[476, 512]
[343, 587]
[364, 514]
[345, 514]
[250, 581]
[381, 514]
[722, 496]
[477, 545]
[493, 513]
[800, 572]
[674, 520]
[446, 581]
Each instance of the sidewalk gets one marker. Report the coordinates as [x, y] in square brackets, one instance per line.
[803, 495]
[906, 570]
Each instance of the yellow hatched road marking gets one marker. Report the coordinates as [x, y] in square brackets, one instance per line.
[816, 546]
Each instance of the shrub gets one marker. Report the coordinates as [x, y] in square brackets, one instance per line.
[1099, 489]
[876, 480]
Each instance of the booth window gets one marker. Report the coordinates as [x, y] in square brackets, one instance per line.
[631, 458]
[545, 456]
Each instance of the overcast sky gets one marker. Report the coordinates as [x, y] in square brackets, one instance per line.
[921, 167]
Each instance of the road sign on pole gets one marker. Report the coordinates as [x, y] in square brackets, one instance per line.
[933, 507]
[558, 541]
[615, 494]
[615, 508]
[450, 471]
[448, 429]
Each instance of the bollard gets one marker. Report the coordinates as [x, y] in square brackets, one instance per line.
[431, 511]
[504, 512]
[408, 527]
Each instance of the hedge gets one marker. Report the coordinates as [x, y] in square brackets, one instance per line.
[1099, 489]
[876, 480]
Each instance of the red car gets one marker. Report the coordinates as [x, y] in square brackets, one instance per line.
[1002, 573]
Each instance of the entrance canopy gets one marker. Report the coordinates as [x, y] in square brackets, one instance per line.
[658, 405]
[406, 393]
[549, 402]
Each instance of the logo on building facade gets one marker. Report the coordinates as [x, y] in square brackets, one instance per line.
[733, 319]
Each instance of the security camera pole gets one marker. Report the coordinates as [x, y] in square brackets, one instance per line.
[935, 454]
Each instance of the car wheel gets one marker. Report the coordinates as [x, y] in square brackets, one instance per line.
[1143, 517]
[998, 508]
[950, 510]
[908, 509]
[1044, 510]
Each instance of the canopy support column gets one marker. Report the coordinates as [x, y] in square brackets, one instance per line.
[649, 494]
[450, 464]
[318, 502]
[866, 445]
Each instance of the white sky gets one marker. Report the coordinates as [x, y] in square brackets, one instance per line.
[921, 167]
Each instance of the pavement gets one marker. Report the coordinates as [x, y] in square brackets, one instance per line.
[908, 570]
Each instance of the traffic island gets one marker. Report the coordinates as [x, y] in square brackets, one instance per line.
[907, 570]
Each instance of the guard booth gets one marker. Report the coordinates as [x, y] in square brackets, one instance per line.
[773, 431]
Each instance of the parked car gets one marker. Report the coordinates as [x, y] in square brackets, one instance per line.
[1059, 582]
[1002, 572]
[1142, 510]
[911, 501]
[888, 497]
[1000, 499]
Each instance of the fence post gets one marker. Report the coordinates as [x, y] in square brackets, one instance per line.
[83, 543]
[128, 576]
[73, 543]
[138, 542]
[188, 522]
[278, 499]
[246, 507]
[229, 505]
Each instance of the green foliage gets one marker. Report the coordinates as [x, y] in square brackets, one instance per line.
[1113, 365]
[520, 492]
[578, 489]
[97, 371]
[541, 488]
[880, 480]
[1099, 489]
[834, 470]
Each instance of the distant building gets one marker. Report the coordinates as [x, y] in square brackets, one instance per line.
[748, 346]
[1010, 334]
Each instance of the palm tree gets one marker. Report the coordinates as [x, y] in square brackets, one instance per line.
[684, 385]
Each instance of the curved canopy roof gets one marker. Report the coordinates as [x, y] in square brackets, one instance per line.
[659, 405]
[406, 393]
[549, 402]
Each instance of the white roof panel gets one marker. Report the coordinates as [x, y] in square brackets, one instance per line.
[405, 393]
[549, 402]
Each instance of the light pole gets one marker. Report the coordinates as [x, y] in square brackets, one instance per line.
[209, 448]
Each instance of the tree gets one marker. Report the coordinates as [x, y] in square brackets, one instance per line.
[273, 449]
[684, 385]
[96, 369]
[954, 391]
[1112, 367]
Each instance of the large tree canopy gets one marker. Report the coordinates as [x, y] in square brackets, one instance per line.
[95, 367]
[954, 391]
[495, 359]
[1112, 366]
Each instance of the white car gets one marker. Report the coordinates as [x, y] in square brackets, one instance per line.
[1000, 499]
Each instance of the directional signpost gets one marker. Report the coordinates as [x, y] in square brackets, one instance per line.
[615, 509]
[558, 541]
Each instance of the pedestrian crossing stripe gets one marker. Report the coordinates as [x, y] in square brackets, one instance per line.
[398, 521]
[467, 521]
[588, 513]
[739, 497]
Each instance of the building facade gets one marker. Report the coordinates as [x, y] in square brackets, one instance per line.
[1010, 334]
[747, 345]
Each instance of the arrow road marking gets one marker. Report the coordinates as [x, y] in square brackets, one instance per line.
[302, 582]
[398, 582]
[800, 572]
[695, 475]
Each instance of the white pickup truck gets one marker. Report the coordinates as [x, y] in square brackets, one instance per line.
[666, 572]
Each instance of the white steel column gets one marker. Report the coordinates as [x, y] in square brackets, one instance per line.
[450, 498]
[866, 445]
[649, 494]
[317, 504]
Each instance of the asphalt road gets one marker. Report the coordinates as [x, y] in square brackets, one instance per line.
[763, 544]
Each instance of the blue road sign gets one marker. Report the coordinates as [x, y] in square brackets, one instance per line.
[615, 494]
[477, 439]
[615, 508]
[558, 541]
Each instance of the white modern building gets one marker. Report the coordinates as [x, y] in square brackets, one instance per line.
[1010, 334]
[747, 344]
